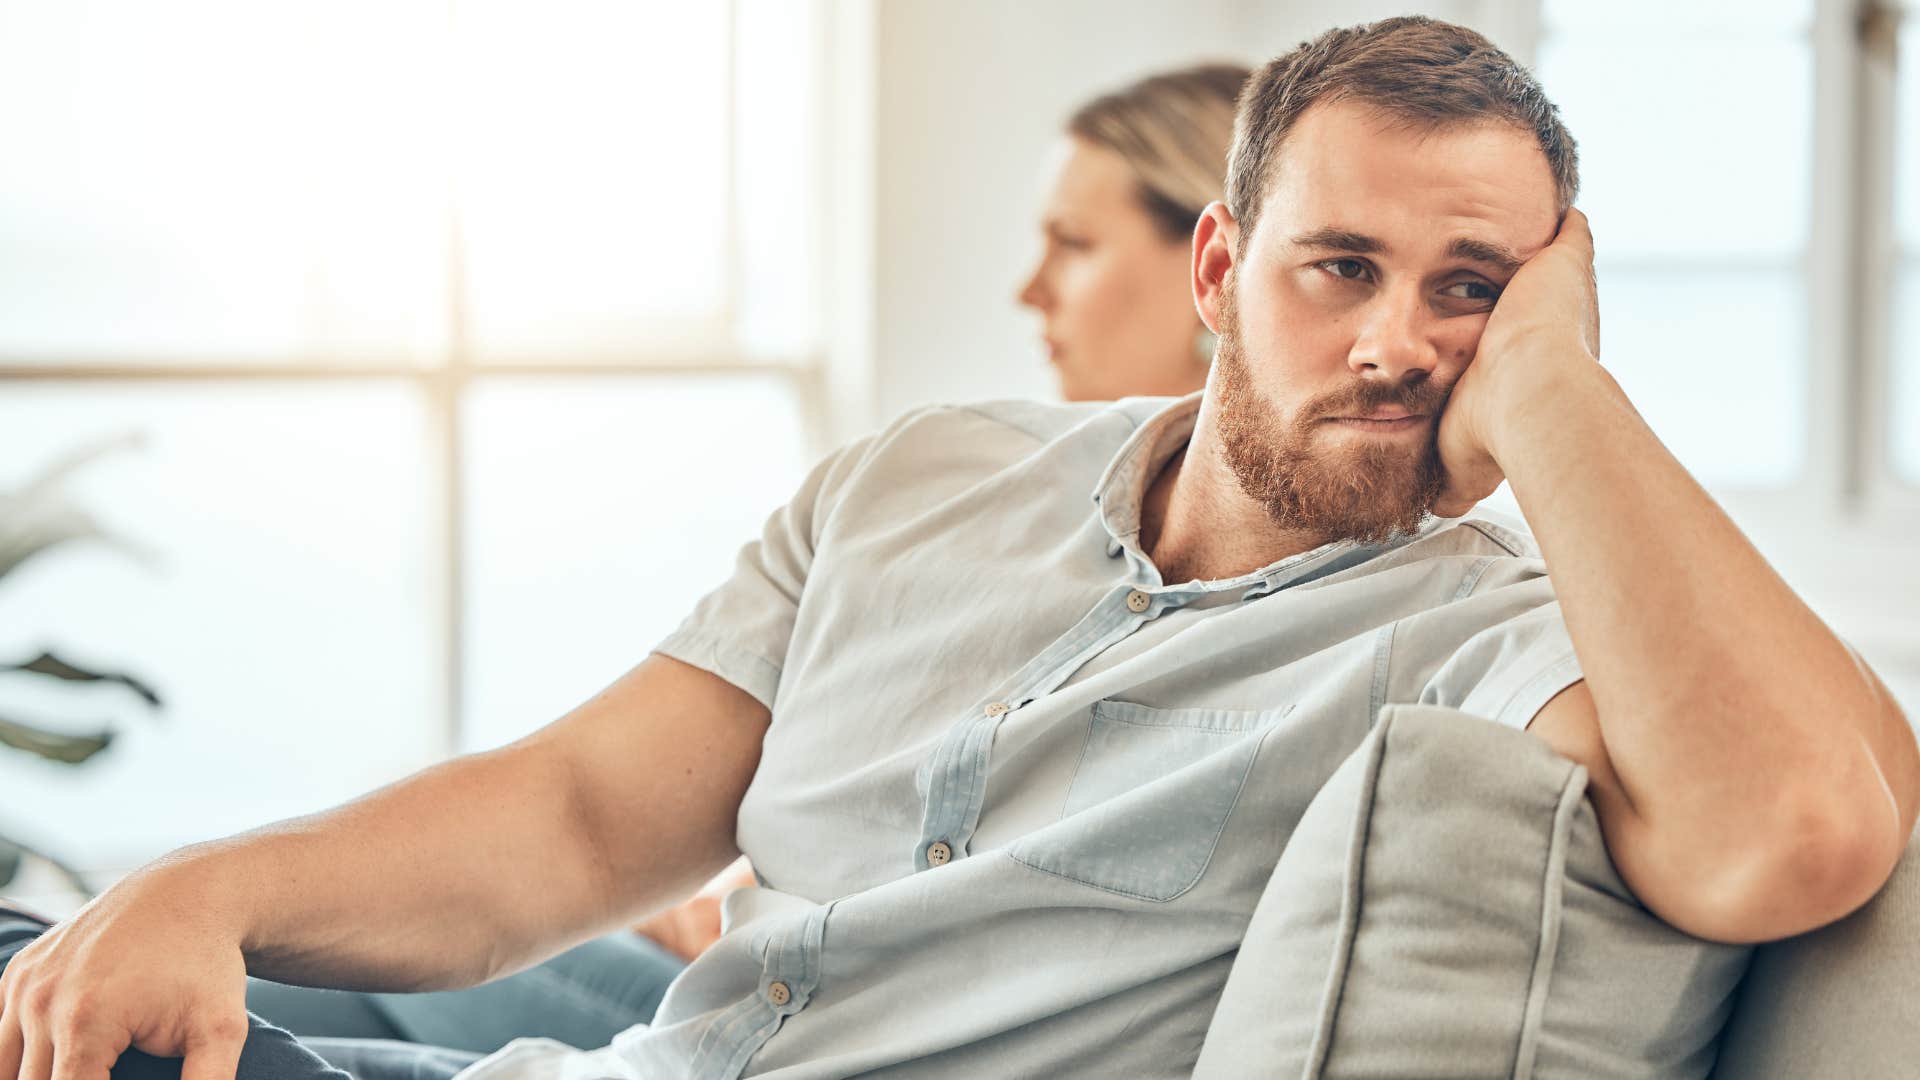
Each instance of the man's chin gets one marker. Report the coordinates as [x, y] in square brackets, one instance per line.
[1372, 509]
[1373, 529]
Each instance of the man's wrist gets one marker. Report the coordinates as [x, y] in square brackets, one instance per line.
[210, 877]
[1539, 397]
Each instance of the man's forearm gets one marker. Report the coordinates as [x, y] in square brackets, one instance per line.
[472, 869]
[1726, 705]
[467, 870]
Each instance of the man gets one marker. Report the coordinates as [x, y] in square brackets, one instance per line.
[1014, 763]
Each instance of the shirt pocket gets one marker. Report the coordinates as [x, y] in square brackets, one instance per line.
[1149, 797]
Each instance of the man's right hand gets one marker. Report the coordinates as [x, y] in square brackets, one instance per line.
[144, 965]
[621, 806]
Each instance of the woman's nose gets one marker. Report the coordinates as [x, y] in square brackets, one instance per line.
[1033, 293]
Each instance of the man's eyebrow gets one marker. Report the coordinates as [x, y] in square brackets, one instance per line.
[1499, 256]
[1333, 239]
[1488, 252]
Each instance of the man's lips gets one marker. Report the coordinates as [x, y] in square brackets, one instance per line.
[1382, 422]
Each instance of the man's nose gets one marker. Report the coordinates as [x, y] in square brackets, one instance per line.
[1394, 342]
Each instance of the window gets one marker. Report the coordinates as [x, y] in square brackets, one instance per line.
[1904, 411]
[1752, 170]
[1695, 173]
[456, 380]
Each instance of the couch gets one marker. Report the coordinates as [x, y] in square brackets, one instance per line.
[1446, 907]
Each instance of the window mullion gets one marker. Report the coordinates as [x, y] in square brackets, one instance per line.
[1834, 477]
[1878, 258]
[448, 404]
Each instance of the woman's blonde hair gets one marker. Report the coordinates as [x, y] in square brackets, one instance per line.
[1174, 129]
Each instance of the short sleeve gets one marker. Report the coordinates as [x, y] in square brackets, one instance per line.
[1509, 670]
[740, 630]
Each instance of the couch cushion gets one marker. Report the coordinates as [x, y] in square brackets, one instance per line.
[1843, 1000]
[1446, 906]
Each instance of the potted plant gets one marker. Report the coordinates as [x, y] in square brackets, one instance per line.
[34, 520]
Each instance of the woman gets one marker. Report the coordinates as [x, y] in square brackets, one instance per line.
[1136, 168]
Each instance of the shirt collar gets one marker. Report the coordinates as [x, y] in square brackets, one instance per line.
[1140, 458]
[1123, 487]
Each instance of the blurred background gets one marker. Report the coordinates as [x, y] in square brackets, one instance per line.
[380, 379]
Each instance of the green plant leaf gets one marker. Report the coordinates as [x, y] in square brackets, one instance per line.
[37, 517]
[28, 528]
[53, 745]
[49, 664]
[22, 851]
[56, 471]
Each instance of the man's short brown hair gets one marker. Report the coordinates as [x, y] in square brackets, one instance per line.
[1412, 69]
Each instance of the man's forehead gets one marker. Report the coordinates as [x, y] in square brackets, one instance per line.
[1460, 190]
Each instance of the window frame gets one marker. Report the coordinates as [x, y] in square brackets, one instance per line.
[1848, 481]
[814, 374]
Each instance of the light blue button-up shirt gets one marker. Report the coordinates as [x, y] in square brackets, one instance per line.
[1020, 795]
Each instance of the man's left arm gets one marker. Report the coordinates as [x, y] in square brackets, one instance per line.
[1752, 776]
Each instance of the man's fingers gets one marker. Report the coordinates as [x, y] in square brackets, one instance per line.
[215, 1055]
[83, 1061]
[11, 1047]
[36, 1063]
[1576, 231]
[1455, 500]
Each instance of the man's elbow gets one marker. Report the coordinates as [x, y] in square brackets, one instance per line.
[1835, 857]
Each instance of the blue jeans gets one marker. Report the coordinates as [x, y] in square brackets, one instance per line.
[273, 1053]
[583, 998]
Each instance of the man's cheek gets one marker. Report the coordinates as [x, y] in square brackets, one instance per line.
[1467, 346]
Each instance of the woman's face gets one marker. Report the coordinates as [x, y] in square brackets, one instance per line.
[1113, 290]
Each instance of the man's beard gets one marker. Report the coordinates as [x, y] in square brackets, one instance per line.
[1370, 492]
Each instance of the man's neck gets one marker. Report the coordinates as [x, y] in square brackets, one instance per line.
[1196, 523]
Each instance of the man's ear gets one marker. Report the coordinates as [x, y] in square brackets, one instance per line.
[1214, 237]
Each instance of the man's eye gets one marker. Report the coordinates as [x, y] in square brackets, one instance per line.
[1349, 269]
[1473, 290]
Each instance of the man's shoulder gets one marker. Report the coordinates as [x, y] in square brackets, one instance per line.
[1486, 531]
[966, 439]
[1487, 547]
[1041, 421]
[934, 453]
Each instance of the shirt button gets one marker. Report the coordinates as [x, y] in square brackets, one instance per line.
[939, 853]
[1138, 601]
[778, 994]
[998, 708]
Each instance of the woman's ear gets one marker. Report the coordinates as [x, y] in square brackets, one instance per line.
[1213, 249]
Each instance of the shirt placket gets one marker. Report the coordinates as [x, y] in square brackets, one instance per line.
[957, 773]
[789, 974]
